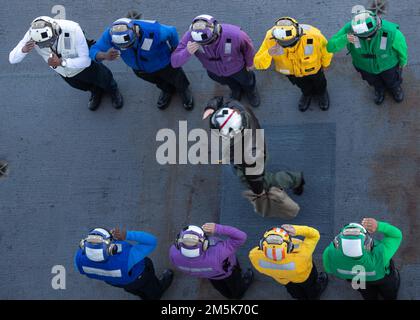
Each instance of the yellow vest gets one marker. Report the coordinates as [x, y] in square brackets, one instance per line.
[305, 58]
[297, 265]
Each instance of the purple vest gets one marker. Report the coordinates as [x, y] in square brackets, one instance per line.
[212, 264]
[223, 57]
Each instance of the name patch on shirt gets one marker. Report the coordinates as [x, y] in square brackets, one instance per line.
[228, 46]
[147, 44]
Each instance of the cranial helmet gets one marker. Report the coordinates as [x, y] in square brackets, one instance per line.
[286, 32]
[364, 23]
[205, 29]
[192, 241]
[228, 121]
[276, 244]
[44, 31]
[354, 240]
[99, 246]
[124, 33]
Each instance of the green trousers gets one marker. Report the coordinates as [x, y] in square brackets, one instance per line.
[281, 179]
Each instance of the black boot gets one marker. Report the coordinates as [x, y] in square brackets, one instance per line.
[322, 282]
[187, 99]
[299, 189]
[166, 279]
[253, 97]
[398, 94]
[304, 102]
[324, 101]
[236, 95]
[164, 100]
[95, 100]
[379, 96]
[117, 99]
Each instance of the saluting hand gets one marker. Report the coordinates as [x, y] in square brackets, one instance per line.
[370, 224]
[192, 47]
[119, 234]
[112, 54]
[54, 61]
[275, 50]
[209, 228]
[351, 38]
[290, 229]
[28, 46]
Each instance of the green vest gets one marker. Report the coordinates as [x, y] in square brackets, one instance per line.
[342, 266]
[375, 55]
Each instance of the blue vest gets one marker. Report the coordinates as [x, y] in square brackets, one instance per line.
[114, 270]
[149, 54]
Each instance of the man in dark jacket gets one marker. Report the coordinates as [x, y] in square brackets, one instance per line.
[238, 124]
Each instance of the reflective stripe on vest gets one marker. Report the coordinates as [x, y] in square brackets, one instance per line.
[102, 272]
[347, 272]
[269, 265]
[195, 269]
[384, 41]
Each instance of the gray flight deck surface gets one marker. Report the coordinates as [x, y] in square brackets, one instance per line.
[72, 169]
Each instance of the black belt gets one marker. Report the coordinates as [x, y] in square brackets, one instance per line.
[369, 56]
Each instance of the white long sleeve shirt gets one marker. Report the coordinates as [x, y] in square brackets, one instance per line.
[76, 57]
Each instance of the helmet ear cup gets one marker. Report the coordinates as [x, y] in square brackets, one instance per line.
[176, 242]
[260, 244]
[82, 244]
[290, 246]
[205, 244]
[336, 242]
[368, 243]
[112, 249]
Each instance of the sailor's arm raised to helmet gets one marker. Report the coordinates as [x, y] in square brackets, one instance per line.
[338, 41]
[263, 59]
[98, 52]
[311, 237]
[181, 55]
[146, 243]
[326, 56]
[236, 238]
[391, 241]
[17, 54]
